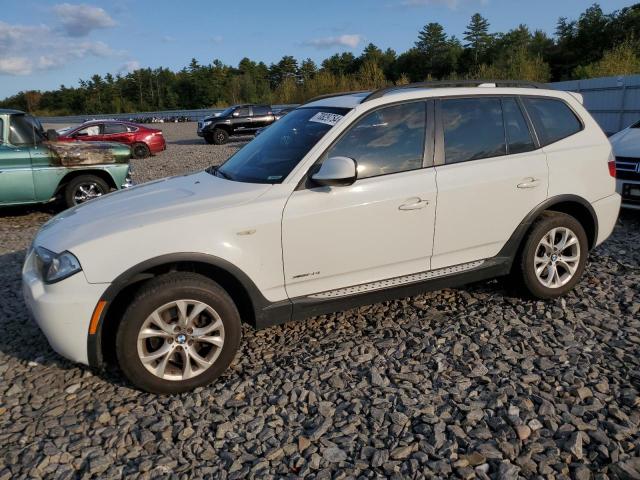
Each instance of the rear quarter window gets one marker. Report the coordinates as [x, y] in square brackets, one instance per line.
[552, 119]
[261, 110]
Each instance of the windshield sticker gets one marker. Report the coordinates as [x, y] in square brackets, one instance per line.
[274, 177]
[326, 118]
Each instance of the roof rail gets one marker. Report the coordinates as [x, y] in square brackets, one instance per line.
[337, 94]
[454, 83]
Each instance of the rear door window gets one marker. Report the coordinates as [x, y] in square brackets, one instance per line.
[518, 134]
[111, 128]
[552, 119]
[473, 129]
[260, 110]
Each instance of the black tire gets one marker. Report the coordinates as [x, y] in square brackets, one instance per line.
[160, 291]
[220, 136]
[208, 137]
[524, 266]
[140, 150]
[73, 191]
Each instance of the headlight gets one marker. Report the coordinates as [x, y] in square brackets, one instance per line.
[206, 123]
[56, 266]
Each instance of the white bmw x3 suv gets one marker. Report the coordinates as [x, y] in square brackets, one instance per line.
[349, 199]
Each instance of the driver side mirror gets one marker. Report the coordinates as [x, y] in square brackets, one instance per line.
[51, 135]
[235, 114]
[336, 171]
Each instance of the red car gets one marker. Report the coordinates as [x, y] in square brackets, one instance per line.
[143, 141]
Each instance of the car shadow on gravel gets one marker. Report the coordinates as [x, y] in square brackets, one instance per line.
[51, 208]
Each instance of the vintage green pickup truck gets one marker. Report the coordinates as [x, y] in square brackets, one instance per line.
[34, 169]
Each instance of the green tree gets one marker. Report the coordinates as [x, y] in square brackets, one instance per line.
[623, 59]
[308, 69]
[340, 64]
[477, 37]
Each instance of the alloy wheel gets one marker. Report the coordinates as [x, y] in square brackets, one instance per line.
[180, 340]
[86, 191]
[557, 257]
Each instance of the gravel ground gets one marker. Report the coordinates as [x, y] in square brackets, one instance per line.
[473, 382]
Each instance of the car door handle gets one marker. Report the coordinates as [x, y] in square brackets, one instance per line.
[529, 183]
[414, 204]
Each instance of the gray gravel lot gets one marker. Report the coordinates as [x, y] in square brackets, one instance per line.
[472, 382]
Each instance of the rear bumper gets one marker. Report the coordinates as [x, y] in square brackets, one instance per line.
[157, 144]
[607, 210]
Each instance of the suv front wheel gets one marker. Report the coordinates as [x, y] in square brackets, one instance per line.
[181, 331]
[220, 136]
[554, 255]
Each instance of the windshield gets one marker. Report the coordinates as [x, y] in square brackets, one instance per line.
[271, 156]
[226, 112]
[24, 130]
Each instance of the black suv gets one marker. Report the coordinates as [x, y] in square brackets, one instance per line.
[236, 120]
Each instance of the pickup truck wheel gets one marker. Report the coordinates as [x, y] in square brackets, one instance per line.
[208, 137]
[181, 331]
[554, 256]
[84, 188]
[220, 136]
[140, 150]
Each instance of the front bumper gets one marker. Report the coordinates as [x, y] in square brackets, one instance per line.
[128, 181]
[630, 192]
[62, 310]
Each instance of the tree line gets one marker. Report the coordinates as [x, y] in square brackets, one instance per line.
[595, 44]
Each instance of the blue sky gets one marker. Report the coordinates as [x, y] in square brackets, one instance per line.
[47, 43]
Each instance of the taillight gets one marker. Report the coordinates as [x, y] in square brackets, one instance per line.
[612, 165]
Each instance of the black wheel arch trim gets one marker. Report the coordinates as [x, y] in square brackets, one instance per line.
[261, 307]
[510, 249]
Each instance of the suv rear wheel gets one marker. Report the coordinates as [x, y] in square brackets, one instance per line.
[140, 150]
[554, 256]
[181, 331]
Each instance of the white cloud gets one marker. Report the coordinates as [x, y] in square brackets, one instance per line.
[15, 66]
[39, 47]
[347, 40]
[129, 67]
[79, 20]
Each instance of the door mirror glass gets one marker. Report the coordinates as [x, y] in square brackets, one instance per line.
[236, 114]
[336, 171]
